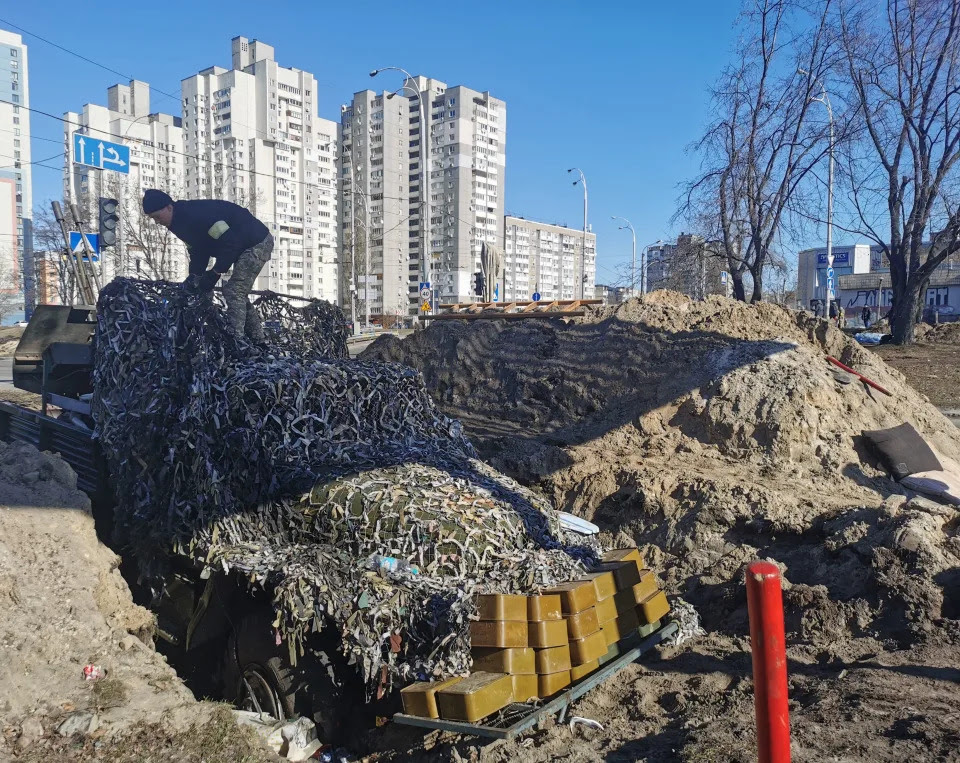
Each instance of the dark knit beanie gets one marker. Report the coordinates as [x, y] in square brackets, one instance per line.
[154, 200]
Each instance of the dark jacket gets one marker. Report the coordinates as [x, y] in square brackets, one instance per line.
[216, 229]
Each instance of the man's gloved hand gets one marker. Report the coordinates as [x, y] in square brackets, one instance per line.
[208, 280]
[192, 282]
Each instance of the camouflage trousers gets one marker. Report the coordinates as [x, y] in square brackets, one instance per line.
[241, 315]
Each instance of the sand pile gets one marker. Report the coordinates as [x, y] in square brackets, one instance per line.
[942, 333]
[63, 605]
[715, 432]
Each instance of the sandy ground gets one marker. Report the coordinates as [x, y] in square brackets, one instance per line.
[932, 368]
[696, 704]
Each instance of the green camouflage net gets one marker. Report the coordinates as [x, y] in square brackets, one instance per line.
[291, 465]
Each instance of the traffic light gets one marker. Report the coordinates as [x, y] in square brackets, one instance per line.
[478, 284]
[109, 218]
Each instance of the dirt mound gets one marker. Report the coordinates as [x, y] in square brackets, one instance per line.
[942, 333]
[63, 605]
[714, 432]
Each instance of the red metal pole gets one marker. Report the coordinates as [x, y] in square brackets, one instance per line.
[769, 647]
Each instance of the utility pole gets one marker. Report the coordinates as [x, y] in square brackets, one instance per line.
[645, 264]
[583, 250]
[825, 100]
[633, 266]
[353, 261]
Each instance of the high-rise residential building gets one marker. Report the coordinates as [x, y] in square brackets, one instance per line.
[692, 266]
[143, 249]
[545, 258]
[382, 165]
[252, 136]
[16, 194]
[49, 286]
[375, 182]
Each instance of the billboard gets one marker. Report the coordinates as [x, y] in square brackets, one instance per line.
[840, 257]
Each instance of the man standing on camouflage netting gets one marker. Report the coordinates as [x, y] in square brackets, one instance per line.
[226, 233]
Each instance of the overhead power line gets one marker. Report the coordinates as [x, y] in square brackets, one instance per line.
[80, 56]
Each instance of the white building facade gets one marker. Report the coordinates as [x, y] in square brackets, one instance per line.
[851, 259]
[382, 169]
[546, 259]
[252, 136]
[16, 192]
[143, 249]
[862, 280]
[375, 199]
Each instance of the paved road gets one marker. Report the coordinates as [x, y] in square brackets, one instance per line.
[355, 348]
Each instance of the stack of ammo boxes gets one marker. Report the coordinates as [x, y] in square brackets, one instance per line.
[531, 647]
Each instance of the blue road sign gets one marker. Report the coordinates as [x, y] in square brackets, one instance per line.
[496, 293]
[723, 276]
[830, 274]
[93, 239]
[536, 296]
[101, 154]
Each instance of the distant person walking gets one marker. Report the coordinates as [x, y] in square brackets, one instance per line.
[229, 235]
[865, 315]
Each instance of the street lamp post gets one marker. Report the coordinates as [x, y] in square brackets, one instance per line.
[425, 264]
[633, 266]
[583, 251]
[354, 192]
[825, 100]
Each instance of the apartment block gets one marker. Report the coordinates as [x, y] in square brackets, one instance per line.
[16, 194]
[253, 136]
[50, 281]
[691, 265]
[382, 168]
[143, 249]
[375, 170]
[546, 258]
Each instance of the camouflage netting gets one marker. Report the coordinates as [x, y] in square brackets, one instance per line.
[292, 465]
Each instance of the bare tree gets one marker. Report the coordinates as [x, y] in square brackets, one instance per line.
[764, 143]
[11, 298]
[904, 75]
[49, 252]
[143, 249]
[691, 266]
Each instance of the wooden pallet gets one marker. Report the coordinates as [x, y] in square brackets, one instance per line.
[471, 311]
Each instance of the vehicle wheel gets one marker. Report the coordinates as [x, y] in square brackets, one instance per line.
[258, 677]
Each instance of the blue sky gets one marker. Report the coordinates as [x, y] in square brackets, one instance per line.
[619, 89]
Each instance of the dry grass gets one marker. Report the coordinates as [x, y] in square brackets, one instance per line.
[109, 692]
[218, 739]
